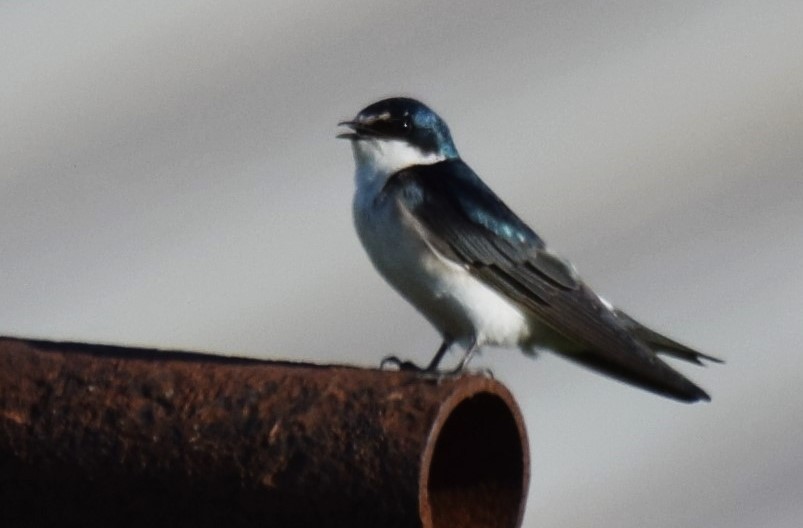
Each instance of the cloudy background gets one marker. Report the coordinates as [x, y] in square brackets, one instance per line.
[169, 177]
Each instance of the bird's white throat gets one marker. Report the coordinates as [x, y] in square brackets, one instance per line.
[377, 159]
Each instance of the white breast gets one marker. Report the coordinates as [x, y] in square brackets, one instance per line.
[454, 301]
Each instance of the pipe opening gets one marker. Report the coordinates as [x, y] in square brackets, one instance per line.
[478, 471]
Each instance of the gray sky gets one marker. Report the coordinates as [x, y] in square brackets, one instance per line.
[171, 178]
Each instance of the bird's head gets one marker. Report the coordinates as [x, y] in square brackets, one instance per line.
[396, 133]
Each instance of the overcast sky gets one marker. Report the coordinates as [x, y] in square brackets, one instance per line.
[170, 178]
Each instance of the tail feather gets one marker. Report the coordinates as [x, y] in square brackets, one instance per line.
[662, 344]
[653, 375]
[635, 360]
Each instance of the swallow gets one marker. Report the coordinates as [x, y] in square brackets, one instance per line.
[477, 272]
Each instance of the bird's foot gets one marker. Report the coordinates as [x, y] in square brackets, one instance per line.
[406, 366]
[485, 371]
[409, 366]
[460, 370]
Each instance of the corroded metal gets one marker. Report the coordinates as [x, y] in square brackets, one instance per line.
[109, 436]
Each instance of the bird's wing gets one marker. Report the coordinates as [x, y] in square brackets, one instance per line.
[463, 220]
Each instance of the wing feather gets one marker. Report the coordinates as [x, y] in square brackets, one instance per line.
[467, 223]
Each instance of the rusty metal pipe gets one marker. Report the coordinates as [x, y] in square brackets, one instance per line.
[109, 436]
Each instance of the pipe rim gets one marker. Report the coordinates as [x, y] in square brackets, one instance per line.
[467, 392]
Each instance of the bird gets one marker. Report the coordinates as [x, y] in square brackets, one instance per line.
[477, 272]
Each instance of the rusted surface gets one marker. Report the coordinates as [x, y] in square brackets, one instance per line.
[110, 436]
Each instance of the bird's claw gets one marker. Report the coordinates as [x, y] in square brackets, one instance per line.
[406, 366]
[488, 373]
[409, 366]
[461, 370]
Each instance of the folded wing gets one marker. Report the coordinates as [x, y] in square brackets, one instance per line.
[467, 223]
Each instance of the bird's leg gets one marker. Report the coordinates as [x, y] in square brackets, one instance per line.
[436, 359]
[467, 355]
[410, 366]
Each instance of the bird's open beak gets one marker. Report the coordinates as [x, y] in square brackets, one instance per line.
[349, 135]
[361, 130]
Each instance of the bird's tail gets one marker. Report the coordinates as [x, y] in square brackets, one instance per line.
[660, 343]
[639, 365]
[643, 368]
[658, 378]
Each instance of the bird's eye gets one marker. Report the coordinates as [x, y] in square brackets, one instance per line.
[392, 126]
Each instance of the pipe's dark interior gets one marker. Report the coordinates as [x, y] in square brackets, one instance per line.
[477, 472]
